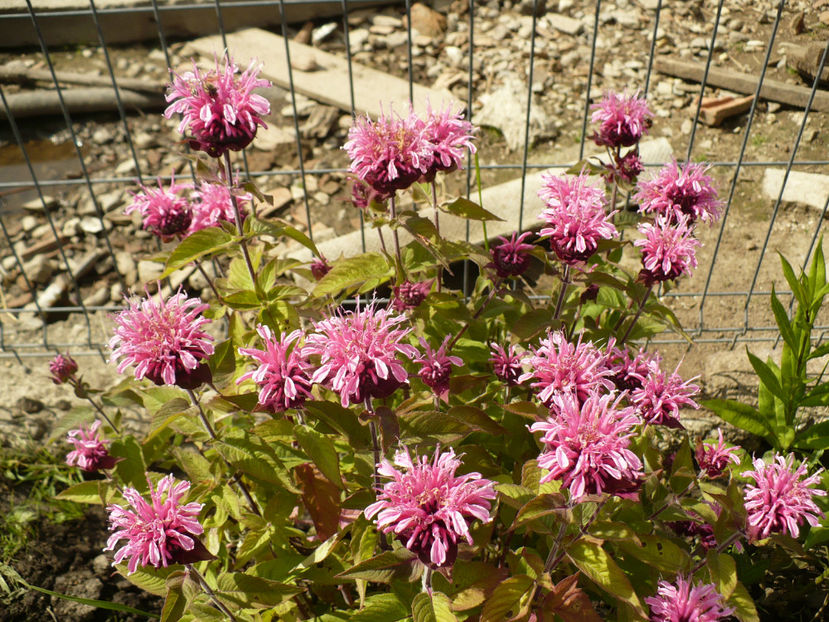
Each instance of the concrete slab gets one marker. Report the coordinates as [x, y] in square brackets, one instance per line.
[502, 200]
[328, 83]
[810, 189]
[70, 22]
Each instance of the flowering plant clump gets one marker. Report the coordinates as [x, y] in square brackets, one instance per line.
[369, 439]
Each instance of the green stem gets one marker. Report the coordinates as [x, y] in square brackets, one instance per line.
[636, 317]
[393, 207]
[565, 282]
[210, 593]
[237, 214]
[437, 228]
[375, 445]
[79, 388]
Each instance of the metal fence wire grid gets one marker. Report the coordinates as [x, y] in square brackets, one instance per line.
[733, 83]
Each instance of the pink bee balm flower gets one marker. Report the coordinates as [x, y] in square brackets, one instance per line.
[576, 216]
[358, 353]
[164, 340]
[668, 249]
[283, 373]
[624, 119]
[409, 294]
[219, 109]
[511, 257]
[684, 602]
[159, 532]
[629, 373]
[63, 368]
[320, 267]
[450, 136]
[166, 213]
[391, 153]
[428, 507]
[212, 205]
[90, 453]
[781, 497]
[627, 168]
[435, 367]
[506, 364]
[661, 396]
[680, 191]
[713, 459]
[562, 367]
[586, 446]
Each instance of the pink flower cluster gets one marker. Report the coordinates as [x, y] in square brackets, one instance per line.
[428, 507]
[163, 340]
[90, 453]
[661, 396]
[283, 375]
[575, 216]
[63, 368]
[409, 294]
[668, 249]
[680, 191]
[781, 497]
[511, 257]
[219, 110]
[586, 445]
[506, 364]
[435, 367]
[393, 152]
[357, 353]
[623, 119]
[714, 459]
[157, 533]
[684, 601]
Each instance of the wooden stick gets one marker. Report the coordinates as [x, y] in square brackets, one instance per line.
[715, 112]
[20, 75]
[83, 100]
[773, 90]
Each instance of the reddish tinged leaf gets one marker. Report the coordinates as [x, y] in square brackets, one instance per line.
[321, 498]
[569, 602]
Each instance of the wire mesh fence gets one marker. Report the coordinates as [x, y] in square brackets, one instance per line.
[68, 253]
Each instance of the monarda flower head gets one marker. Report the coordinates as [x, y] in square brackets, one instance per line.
[586, 446]
[435, 367]
[158, 533]
[626, 169]
[511, 257]
[668, 249]
[575, 215]
[219, 110]
[212, 205]
[686, 602]
[624, 119]
[679, 191]
[358, 353]
[714, 458]
[409, 294]
[428, 507]
[661, 396]
[506, 364]
[629, 373]
[780, 498]
[450, 136]
[283, 375]
[90, 453]
[320, 267]
[391, 153]
[63, 368]
[163, 340]
[559, 367]
[165, 212]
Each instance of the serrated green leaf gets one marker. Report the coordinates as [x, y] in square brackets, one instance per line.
[381, 608]
[322, 452]
[174, 605]
[741, 601]
[600, 568]
[464, 208]
[434, 607]
[657, 552]
[476, 419]
[131, 470]
[195, 246]
[148, 578]
[504, 602]
[352, 272]
[244, 589]
[723, 572]
[380, 568]
[278, 228]
[195, 465]
[85, 492]
[741, 415]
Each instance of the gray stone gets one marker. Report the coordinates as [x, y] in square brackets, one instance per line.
[36, 205]
[811, 189]
[356, 38]
[144, 140]
[149, 271]
[321, 34]
[91, 225]
[71, 226]
[28, 223]
[39, 269]
[562, 23]
[97, 298]
[454, 55]
[386, 20]
[506, 112]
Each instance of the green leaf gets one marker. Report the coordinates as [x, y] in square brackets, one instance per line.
[741, 601]
[819, 396]
[599, 567]
[741, 415]
[817, 270]
[783, 321]
[432, 608]
[85, 492]
[381, 608]
[476, 419]
[148, 578]
[505, 601]
[174, 604]
[352, 272]
[659, 553]
[256, 459]
[277, 228]
[723, 572]
[539, 507]
[99, 604]
[817, 536]
[380, 568]
[465, 208]
[794, 283]
[322, 452]
[767, 376]
[814, 437]
[193, 463]
[195, 246]
[131, 470]
[244, 589]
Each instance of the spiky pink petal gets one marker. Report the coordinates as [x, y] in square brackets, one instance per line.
[624, 119]
[679, 191]
[686, 602]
